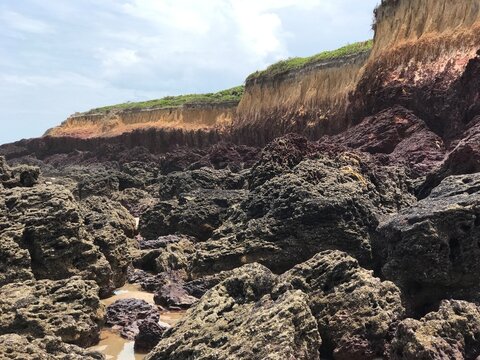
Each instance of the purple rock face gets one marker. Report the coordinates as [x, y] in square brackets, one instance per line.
[174, 296]
[125, 315]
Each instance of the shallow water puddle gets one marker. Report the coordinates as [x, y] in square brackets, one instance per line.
[111, 344]
[114, 347]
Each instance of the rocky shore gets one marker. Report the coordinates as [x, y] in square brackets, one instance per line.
[361, 244]
[351, 247]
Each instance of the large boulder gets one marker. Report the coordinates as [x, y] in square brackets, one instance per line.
[16, 347]
[125, 315]
[53, 232]
[238, 319]
[355, 311]
[320, 204]
[449, 333]
[431, 249]
[197, 213]
[397, 134]
[112, 229]
[69, 309]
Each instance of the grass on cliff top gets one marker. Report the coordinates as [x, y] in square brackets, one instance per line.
[233, 94]
[299, 62]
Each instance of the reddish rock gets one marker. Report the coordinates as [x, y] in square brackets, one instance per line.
[174, 296]
[398, 134]
[126, 314]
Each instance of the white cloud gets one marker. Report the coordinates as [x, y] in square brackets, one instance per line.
[24, 23]
[94, 53]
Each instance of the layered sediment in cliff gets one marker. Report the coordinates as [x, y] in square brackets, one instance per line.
[116, 122]
[425, 58]
[312, 99]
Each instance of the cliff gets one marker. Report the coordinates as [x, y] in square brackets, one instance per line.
[424, 58]
[304, 95]
[185, 112]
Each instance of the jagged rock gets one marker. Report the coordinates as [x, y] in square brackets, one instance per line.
[197, 214]
[148, 282]
[174, 296]
[400, 135]
[14, 261]
[126, 314]
[149, 334]
[324, 203]
[431, 248]
[53, 232]
[69, 309]
[463, 158]
[280, 156]
[136, 201]
[174, 184]
[237, 319]
[18, 176]
[449, 333]
[354, 310]
[112, 229]
[217, 156]
[16, 347]
[167, 253]
[198, 287]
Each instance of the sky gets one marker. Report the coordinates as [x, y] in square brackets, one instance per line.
[59, 57]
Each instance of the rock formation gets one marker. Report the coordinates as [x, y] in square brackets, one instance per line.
[357, 237]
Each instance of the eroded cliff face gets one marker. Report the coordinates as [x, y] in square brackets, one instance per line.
[425, 57]
[114, 123]
[312, 100]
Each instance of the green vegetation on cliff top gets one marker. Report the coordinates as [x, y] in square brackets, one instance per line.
[233, 94]
[296, 63]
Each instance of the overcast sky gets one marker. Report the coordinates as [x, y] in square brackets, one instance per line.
[58, 57]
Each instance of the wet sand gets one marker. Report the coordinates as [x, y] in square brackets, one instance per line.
[111, 344]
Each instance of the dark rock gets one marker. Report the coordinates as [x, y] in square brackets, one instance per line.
[136, 201]
[280, 156]
[149, 334]
[112, 229]
[14, 261]
[126, 314]
[69, 309]
[16, 347]
[167, 253]
[218, 156]
[463, 158]
[320, 204]
[173, 296]
[197, 214]
[53, 233]
[399, 134]
[237, 319]
[431, 249]
[354, 310]
[449, 333]
[174, 184]
[18, 176]
[198, 287]
[148, 282]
